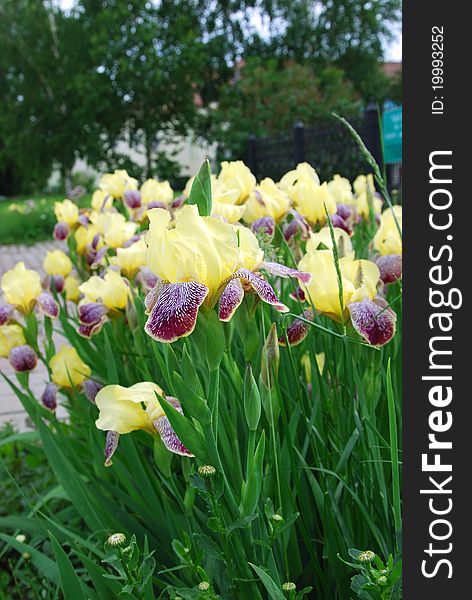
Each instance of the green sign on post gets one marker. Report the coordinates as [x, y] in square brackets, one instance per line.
[392, 135]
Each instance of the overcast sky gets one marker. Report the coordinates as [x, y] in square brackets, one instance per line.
[393, 50]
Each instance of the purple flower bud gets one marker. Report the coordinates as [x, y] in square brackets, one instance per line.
[390, 267]
[48, 305]
[23, 358]
[90, 389]
[156, 204]
[49, 397]
[147, 277]
[264, 226]
[84, 220]
[345, 211]
[56, 282]
[132, 199]
[61, 231]
[91, 313]
[6, 311]
[177, 203]
[338, 221]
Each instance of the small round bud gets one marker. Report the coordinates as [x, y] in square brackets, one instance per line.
[21, 538]
[289, 586]
[382, 580]
[204, 586]
[366, 557]
[26, 555]
[23, 358]
[277, 517]
[206, 471]
[61, 231]
[116, 539]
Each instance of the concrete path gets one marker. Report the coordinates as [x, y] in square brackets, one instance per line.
[11, 409]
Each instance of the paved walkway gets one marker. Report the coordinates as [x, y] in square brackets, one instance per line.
[10, 407]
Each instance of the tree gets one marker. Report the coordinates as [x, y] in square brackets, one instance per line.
[267, 100]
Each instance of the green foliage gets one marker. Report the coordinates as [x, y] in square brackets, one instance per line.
[269, 98]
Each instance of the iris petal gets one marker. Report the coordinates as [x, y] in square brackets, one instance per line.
[48, 305]
[374, 323]
[111, 445]
[390, 267]
[297, 331]
[167, 433]
[175, 311]
[230, 299]
[262, 288]
[284, 271]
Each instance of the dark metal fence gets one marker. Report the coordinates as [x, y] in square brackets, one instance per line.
[328, 146]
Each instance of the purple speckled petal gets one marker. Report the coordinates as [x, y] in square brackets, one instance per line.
[390, 267]
[230, 299]
[298, 294]
[175, 311]
[91, 313]
[297, 331]
[48, 305]
[284, 271]
[168, 435]
[262, 288]
[49, 397]
[375, 324]
[111, 444]
[6, 311]
[87, 331]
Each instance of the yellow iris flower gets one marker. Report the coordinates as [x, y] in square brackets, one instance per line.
[387, 240]
[117, 183]
[235, 175]
[10, 337]
[56, 262]
[156, 191]
[21, 287]
[66, 212]
[114, 227]
[267, 200]
[111, 290]
[101, 200]
[359, 281]
[68, 369]
[130, 259]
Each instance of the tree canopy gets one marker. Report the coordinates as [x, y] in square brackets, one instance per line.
[75, 83]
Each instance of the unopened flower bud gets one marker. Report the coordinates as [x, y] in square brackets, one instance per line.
[203, 586]
[366, 557]
[132, 199]
[61, 231]
[20, 538]
[23, 358]
[116, 539]
[289, 586]
[207, 471]
[90, 389]
[382, 580]
[278, 518]
[6, 311]
[49, 397]
[270, 357]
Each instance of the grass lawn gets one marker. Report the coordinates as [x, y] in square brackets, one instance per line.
[27, 219]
